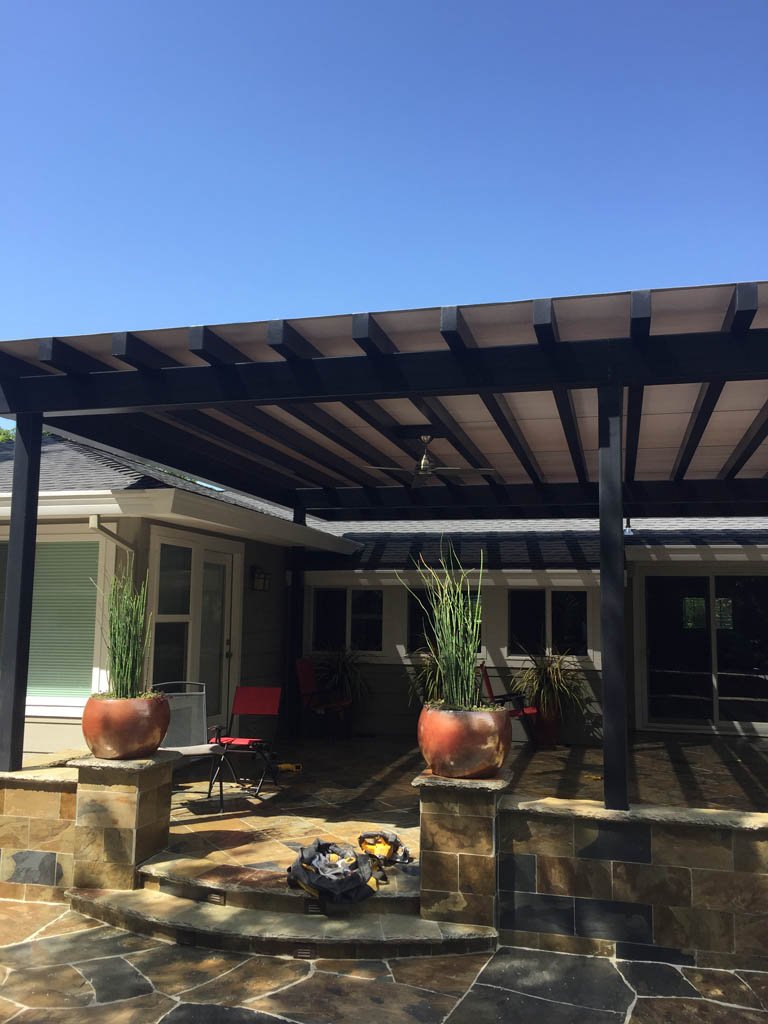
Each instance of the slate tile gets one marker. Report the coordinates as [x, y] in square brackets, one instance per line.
[663, 954]
[612, 840]
[724, 987]
[690, 1011]
[496, 1006]
[192, 1013]
[31, 867]
[737, 891]
[571, 876]
[585, 981]
[612, 919]
[517, 872]
[530, 912]
[656, 980]
[64, 949]
[58, 986]
[686, 845]
[141, 1010]
[112, 979]
[519, 833]
[694, 928]
[329, 997]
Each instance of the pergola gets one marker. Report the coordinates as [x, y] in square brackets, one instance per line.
[644, 403]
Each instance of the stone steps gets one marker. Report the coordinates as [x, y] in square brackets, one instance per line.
[343, 936]
[233, 886]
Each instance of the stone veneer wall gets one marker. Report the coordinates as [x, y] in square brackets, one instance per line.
[682, 885]
[575, 876]
[37, 833]
[86, 825]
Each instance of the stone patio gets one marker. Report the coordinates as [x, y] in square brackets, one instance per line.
[58, 967]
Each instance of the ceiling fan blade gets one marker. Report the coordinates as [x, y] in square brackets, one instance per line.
[390, 469]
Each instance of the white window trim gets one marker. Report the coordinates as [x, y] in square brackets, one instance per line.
[689, 568]
[589, 660]
[348, 588]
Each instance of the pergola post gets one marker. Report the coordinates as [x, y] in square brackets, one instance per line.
[612, 626]
[19, 581]
[290, 710]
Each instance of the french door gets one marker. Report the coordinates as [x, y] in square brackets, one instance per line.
[707, 651]
[196, 595]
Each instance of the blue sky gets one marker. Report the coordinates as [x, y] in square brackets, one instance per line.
[175, 162]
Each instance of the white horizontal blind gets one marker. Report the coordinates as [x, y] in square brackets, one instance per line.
[63, 618]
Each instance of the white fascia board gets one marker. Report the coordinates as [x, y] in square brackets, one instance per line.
[702, 553]
[172, 505]
[208, 513]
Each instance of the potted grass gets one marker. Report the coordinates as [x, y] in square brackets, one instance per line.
[555, 685]
[127, 721]
[459, 736]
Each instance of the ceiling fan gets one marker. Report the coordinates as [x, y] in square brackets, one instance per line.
[426, 467]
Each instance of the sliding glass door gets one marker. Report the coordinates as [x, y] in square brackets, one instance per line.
[707, 650]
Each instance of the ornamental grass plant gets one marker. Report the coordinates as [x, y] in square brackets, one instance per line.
[449, 676]
[127, 636]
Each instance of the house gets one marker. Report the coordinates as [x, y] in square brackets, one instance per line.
[694, 593]
[200, 549]
[649, 405]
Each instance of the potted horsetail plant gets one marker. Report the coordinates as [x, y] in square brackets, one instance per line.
[459, 736]
[127, 721]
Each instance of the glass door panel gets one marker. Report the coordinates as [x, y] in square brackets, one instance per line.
[215, 637]
[742, 647]
[679, 649]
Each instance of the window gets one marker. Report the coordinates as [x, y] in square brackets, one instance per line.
[419, 622]
[528, 630]
[329, 623]
[347, 618]
[366, 620]
[569, 622]
[527, 621]
[63, 618]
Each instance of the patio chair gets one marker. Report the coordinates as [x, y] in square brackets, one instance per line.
[225, 743]
[317, 701]
[499, 696]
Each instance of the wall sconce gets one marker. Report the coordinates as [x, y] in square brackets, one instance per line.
[259, 578]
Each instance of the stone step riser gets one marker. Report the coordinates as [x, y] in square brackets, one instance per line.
[298, 947]
[287, 902]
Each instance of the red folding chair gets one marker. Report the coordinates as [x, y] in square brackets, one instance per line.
[316, 700]
[249, 700]
[518, 710]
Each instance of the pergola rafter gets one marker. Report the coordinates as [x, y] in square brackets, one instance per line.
[274, 410]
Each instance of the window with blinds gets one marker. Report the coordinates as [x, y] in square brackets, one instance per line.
[63, 618]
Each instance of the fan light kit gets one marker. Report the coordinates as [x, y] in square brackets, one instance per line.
[426, 467]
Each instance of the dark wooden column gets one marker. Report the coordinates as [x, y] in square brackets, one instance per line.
[290, 708]
[615, 739]
[19, 580]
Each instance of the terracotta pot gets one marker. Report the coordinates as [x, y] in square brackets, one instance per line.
[121, 728]
[464, 744]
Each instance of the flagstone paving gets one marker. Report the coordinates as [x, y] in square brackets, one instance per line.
[70, 971]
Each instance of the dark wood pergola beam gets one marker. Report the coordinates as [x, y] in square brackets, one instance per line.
[244, 446]
[459, 339]
[754, 436]
[284, 339]
[132, 435]
[62, 356]
[738, 319]
[499, 496]
[548, 336]
[274, 430]
[663, 359]
[137, 353]
[206, 344]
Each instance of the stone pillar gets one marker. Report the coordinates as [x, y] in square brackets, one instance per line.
[459, 848]
[122, 818]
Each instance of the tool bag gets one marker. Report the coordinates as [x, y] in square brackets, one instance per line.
[385, 847]
[333, 872]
